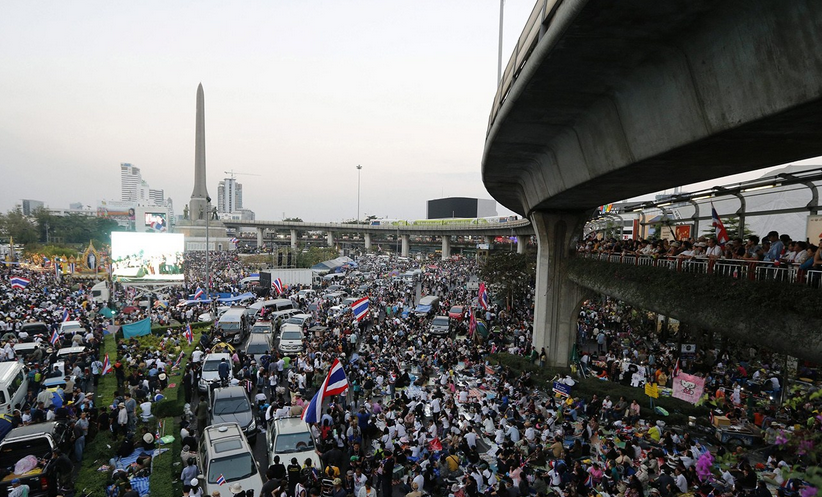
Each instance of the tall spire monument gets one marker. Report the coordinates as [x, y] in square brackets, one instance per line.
[198, 206]
[199, 226]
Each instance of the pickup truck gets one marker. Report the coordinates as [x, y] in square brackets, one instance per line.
[38, 440]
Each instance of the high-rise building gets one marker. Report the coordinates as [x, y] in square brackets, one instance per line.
[156, 196]
[29, 206]
[130, 182]
[229, 196]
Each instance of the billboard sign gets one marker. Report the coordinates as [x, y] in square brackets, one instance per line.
[147, 256]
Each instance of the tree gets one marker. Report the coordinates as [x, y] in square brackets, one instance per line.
[316, 255]
[14, 224]
[732, 227]
[509, 274]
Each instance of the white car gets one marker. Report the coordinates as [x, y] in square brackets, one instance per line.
[206, 316]
[290, 341]
[211, 371]
[226, 455]
[290, 437]
[71, 327]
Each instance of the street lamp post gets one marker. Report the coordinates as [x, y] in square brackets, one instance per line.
[207, 267]
[359, 169]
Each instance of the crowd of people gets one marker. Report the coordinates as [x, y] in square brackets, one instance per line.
[425, 413]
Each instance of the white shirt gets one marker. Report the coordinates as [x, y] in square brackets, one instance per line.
[196, 356]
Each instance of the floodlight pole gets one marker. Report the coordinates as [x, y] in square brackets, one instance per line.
[207, 267]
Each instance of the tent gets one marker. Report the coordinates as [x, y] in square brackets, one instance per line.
[332, 265]
[423, 309]
[105, 311]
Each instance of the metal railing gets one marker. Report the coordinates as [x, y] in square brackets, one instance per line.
[541, 15]
[730, 268]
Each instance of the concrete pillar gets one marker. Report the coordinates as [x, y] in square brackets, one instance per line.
[406, 245]
[487, 239]
[446, 247]
[330, 237]
[294, 239]
[521, 241]
[557, 299]
[367, 239]
[260, 232]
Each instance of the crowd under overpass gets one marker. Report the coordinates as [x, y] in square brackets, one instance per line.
[609, 99]
[407, 233]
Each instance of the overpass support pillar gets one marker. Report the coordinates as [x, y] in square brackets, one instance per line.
[260, 232]
[557, 299]
[446, 247]
[367, 239]
[406, 245]
[330, 237]
[488, 239]
[294, 239]
[521, 244]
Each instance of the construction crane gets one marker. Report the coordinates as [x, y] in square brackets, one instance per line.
[232, 173]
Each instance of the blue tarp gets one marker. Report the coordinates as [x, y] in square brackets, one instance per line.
[423, 309]
[237, 298]
[138, 329]
[201, 301]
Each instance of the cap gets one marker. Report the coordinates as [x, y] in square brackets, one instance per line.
[235, 488]
[194, 482]
[15, 481]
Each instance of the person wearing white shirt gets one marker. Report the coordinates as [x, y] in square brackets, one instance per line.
[513, 433]
[471, 438]
[197, 355]
[499, 436]
[713, 251]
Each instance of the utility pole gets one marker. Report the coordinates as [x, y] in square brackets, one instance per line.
[359, 170]
[499, 52]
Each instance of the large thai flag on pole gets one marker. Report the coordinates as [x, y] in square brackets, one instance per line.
[721, 233]
[360, 308]
[19, 282]
[334, 384]
[199, 294]
[66, 315]
[482, 296]
[278, 285]
[54, 337]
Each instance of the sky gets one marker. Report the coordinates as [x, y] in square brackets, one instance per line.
[297, 94]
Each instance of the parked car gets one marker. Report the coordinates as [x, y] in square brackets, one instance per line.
[440, 325]
[290, 341]
[226, 455]
[38, 440]
[231, 404]
[210, 371]
[290, 437]
[258, 344]
[457, 313]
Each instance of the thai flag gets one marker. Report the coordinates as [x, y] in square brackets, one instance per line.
[676, 369]
[360, 308]
[72, 267]
[221, 480]
[482, 296]
[472, 322]
[278, 285]
[199, 294]
[19, 282]
[66, 315]
[107, 366]
[54, 337]
[178, 361]
[189, 334]
[721, 233]
[235, 241]
[334, 384]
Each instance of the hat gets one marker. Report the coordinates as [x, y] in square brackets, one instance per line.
[235, 488]
[148, 438]
[15, 481]
[162, 376]
[194, 482]
[337, 481]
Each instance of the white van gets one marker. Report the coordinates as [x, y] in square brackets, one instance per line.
[100, 292]
[13, 385]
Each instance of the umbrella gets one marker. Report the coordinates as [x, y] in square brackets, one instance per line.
[105, 311]
[130, 309]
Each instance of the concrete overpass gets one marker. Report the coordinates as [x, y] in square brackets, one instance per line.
[521, 228]
[608, 99]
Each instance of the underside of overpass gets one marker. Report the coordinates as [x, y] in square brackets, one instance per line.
[619, 98]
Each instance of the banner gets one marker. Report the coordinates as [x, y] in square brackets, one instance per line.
[814, 229]
[652, 390]
[688, 387]
[138, 329]
[562, 389]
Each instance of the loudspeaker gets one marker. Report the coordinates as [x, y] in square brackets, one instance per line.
[265, 284]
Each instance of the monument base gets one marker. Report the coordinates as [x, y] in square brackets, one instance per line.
[195, 235]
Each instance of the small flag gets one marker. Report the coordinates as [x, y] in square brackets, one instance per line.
[66, 315]
[19, 282]
[235, 241]
[57, 271]
[199, 294]
[221, 480]
[178, 361]
[482, 296]
[54, 337]
[721, 233]
[72, 267]
[278, 285]
[107, 366]
[360, 308]
[189, 334]
[676, 369]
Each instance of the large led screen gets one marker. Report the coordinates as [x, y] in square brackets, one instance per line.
[147, 256]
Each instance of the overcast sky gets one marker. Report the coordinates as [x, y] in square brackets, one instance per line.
[297, 93]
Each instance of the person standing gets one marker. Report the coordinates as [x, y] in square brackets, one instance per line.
[80, 432]
[96, 370]
[131, 411]
[202, 414]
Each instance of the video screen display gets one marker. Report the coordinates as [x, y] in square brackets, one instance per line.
[147, 256]
[156, 221]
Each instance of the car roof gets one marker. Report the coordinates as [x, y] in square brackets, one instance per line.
[291, 327]
[291, 425]
[261, 322]
[258, 337]
[71, 350]
[28, 430]
[25, 345]
[216, 356]
[225, 439]
[71, 323]
[301, 316]
[229, 392]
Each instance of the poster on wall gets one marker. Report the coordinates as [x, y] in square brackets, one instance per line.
[683, 231]
[814, 231]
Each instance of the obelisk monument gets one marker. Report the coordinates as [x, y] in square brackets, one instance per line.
[200, 228]
[198, 206]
